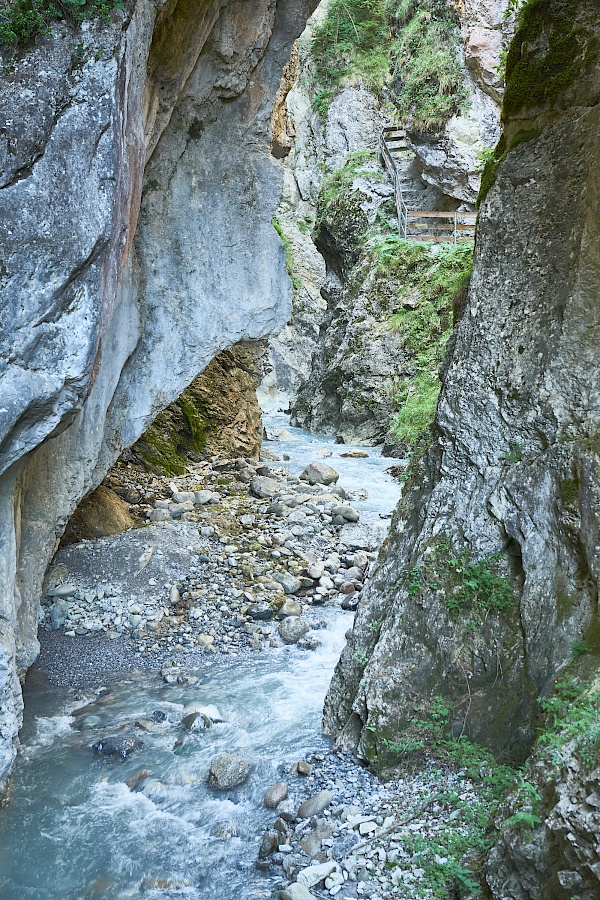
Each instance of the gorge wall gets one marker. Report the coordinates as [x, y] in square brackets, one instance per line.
[344, 359]
[136, 195]
[489, 577]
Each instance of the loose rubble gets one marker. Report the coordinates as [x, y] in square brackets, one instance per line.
[234, 551]
[355, 837]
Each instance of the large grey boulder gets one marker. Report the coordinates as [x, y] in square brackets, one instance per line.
[293, 629]
[228, 771]
[265, 488]
[319, 473]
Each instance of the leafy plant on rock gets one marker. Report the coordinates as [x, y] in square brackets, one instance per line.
[22, 20]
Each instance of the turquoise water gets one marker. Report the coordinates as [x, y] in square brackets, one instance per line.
[73, 828]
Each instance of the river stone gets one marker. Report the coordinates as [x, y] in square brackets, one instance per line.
[297, 517]
[360, 560]
[62, 591]
[261, 611]
[209, 713]
[353, 574]
[135, 780]
[228, 771]
[184, 497]
[319, 473]
[269, 844]
[276, 794]
[313, 806]
[297, 892]
[290, 608]
[289, 583]
[201, 498]
[118, 745]
[196, 721]
[59, 613]
[314, 874]
[346, 511]
[264, 488]
[160, 515]
[292, 629]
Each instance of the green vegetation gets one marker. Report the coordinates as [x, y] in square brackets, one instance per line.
[289, 262]
[428, 85]
[337, 188]
[23, 20]
[514, 454]
[571, 717]
[428, 288]
[418, 412]
[453, 852]
[353, 44]
[178, 431]
[404, 49]
[471, 588]
[569, 490]
[550, 49]
[195, 422]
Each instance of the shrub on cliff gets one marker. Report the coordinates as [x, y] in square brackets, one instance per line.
[22, 20]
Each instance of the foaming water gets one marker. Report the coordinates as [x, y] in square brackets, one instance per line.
[74, 829]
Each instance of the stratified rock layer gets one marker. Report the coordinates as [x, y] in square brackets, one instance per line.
[217, 415]
[113, 301]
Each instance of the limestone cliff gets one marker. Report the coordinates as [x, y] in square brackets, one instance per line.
[217, 415]
[344, 359]
[137, 191]
[489, 577]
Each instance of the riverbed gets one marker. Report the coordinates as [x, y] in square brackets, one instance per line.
[74, 829]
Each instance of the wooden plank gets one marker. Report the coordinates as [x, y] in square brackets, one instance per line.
[424, 214]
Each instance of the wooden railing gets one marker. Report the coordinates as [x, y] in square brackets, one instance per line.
[414, 224]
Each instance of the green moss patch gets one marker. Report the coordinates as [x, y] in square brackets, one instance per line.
[430, 289]
[549, 51]
[471, 588]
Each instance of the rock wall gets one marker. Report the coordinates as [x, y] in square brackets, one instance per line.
[507, 492]
[137, 191]
[217, 415]
[338, 360]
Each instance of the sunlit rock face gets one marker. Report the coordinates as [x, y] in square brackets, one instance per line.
[136, 195]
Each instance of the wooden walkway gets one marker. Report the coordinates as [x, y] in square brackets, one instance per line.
[416, 224]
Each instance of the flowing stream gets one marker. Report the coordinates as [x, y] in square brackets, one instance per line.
[74, 830]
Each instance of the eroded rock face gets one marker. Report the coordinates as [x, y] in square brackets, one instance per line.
[217, 415]
[114, 301]
[511, 476]
[450, 160]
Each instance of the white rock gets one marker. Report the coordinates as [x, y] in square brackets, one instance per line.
[313, 875]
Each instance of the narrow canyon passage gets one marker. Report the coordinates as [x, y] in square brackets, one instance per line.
[347, 646]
